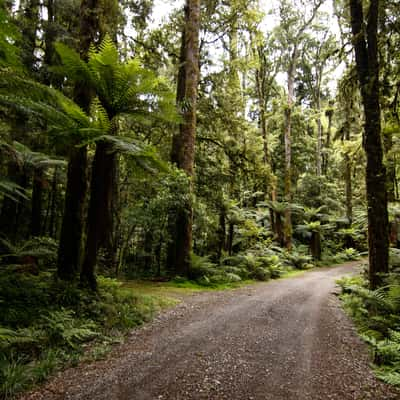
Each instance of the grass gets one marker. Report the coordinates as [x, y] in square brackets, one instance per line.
[170, 293]
[295, 272]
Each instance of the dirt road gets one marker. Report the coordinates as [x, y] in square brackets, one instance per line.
[281, 340]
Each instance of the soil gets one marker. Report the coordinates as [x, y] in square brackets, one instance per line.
[281, 340]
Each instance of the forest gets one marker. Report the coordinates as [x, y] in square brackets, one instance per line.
[191, 144]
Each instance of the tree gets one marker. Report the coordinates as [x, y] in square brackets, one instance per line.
[365, 41]
[294, 24]
[70, 246]
[122, 90]
[183, 146]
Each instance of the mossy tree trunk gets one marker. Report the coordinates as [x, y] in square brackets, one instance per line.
[70, 248]
[365, 41]
[183, 147]
[100, 209]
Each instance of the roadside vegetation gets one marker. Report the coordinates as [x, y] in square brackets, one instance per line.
[376, 314]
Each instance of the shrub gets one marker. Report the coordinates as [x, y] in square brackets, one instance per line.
[261, 274]
[377, 316]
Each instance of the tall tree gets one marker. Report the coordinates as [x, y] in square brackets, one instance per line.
[70, 247]
[294, 24]
[183, 146]
[365, 41]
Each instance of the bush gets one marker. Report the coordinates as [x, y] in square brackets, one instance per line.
[46, 322]
[201, 266]
[261, 274]
[377, 316]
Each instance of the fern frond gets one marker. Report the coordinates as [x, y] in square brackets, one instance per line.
[99, 115]
[144, 156]
[392, 378]
[12, 190]
[73, 66]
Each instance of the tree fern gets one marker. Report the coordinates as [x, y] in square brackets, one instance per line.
[121, 87]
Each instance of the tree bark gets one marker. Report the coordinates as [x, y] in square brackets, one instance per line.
[348, 165]
[53, 206]
[10, 208]
[37, 202]
[183, 149]
[325, 154]
[291, 71]
[365, 41]
[348, 189]
[319, 135]
[315, 245]
[101, 191]
[221, 233]
[70, 248]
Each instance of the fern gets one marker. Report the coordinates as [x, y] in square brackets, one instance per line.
[63, 329]
[122, 88]
[12, 190]
[7, 336]
[145, 157]
[73, 66]
[392, 378]
[36, 247]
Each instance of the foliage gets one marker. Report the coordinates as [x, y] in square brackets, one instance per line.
[377, 316]
[49, 334]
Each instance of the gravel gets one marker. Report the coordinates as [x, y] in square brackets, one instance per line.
[281, 340]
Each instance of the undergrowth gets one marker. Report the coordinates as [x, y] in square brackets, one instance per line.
[377, 317]
[46, 325]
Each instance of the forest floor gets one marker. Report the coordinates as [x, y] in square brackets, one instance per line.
[282, 340]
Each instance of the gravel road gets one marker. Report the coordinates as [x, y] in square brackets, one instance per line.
[280, 340]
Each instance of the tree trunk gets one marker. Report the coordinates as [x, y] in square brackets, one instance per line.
[325, 156]
[100, 204]
[70, 247]
[366, 50]
[287, 230]
[229, 243]
[349, 189]
[390, 165]
[279, 229]
[148, 251]
[10, 207]
[37, 202]
[183, 149]
[221, 233]
[53, 206]
[315, 245]
[348, 167]
[319, 136]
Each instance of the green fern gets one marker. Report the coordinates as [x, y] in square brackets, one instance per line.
[390, 377]
[7, 336]
[63, 329]
[12, 190]
[36, 247]
[122, 88]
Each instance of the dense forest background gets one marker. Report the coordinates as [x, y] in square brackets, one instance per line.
[229, 141]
